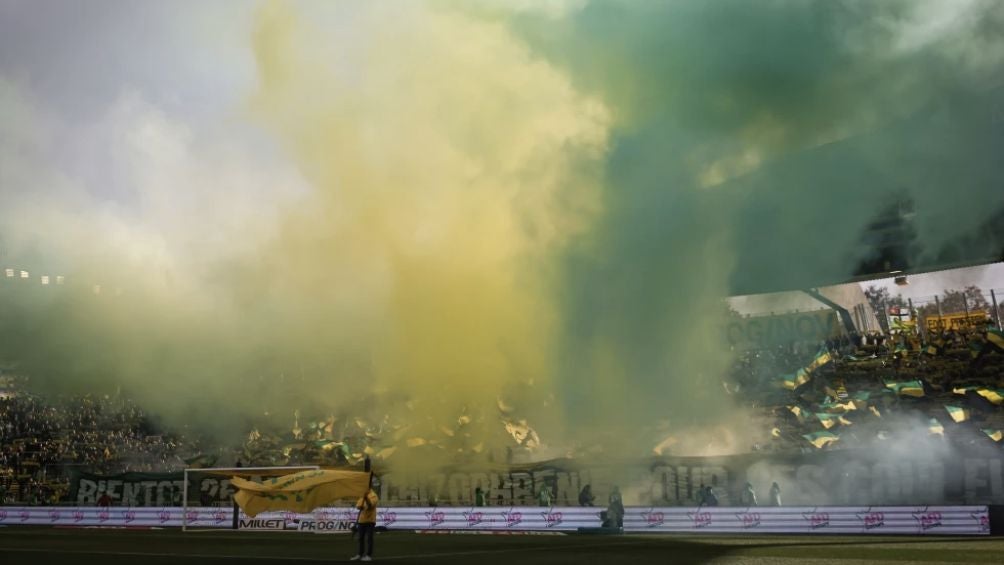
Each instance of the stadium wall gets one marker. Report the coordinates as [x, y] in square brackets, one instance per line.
[913, 520]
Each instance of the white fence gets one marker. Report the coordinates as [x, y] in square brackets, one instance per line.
[936, 520]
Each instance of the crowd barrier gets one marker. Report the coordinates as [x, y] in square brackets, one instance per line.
[936, 520]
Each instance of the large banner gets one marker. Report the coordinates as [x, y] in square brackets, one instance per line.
[758, 332]
[897, 475]
[149, 489]
[929, 520]
[894, 476]
[957, 321]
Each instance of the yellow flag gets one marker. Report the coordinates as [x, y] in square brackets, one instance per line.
[299, 492]
[993, 395]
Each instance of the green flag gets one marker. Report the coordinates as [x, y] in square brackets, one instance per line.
[975, 348]
[994, 434]
[913, 388]
[934, 427]
[795, 380]
[822, 358]
[821, 439]
[957, 413]
[798, 412]
[995, 338]
[995, 396]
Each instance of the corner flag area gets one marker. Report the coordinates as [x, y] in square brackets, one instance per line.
[40, 546]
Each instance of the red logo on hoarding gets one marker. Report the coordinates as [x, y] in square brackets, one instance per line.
[103, 515]
[23, 515]
[874, 520]
[817, 520]
[652, 518]
[322, 515]
[928, 520]
[551, 518]
[388, 518]
[164, 515]
[512, 518]
[219, 516]
[53, 515]
[700, 519]
[288, 516]
[78, 515]
[982, 519]
[436, 517]
[192, 516]
[749, 519]
[128, 515]
[474, 518]
[3, 515]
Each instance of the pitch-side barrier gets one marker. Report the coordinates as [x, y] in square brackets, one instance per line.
[929, 520]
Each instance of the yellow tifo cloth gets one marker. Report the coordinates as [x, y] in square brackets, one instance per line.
[299, 492]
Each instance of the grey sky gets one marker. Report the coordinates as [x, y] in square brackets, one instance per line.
[190, 58]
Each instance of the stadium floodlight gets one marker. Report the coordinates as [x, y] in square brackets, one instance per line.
[227, 472]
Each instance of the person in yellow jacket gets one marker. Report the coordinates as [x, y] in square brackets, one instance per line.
[366, 523]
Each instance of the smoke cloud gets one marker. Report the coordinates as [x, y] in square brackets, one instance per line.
[752, 144]
[416, 212]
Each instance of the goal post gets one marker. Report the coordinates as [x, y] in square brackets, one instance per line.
[227, 472]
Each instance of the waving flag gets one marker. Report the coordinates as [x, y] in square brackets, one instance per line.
[995, 396]
[907, 388]
[957, 413]
[798, 412]
[996, 338]
[821, 439]
[795, 380]
[822, 358]
[935, 428]
[995, 435]
[299, 492]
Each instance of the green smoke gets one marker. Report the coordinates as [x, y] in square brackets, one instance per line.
[754, 142]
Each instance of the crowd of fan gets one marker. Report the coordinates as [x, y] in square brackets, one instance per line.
[41, 439]
[874, 387]
[847, 397]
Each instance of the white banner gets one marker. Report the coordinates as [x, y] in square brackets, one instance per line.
[943, 520]
[971, 520]
[558, 518]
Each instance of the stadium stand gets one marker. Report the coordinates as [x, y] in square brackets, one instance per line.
[851, 391]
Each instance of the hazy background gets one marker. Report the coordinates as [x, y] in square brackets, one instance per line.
[416, 210]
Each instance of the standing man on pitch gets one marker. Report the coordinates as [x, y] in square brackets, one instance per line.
[367, 506]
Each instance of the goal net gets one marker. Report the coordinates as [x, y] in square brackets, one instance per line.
[207, 497]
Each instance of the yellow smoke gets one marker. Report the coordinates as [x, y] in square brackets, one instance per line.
[449, 168]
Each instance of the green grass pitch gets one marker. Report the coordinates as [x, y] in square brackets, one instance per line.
[40, 546]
